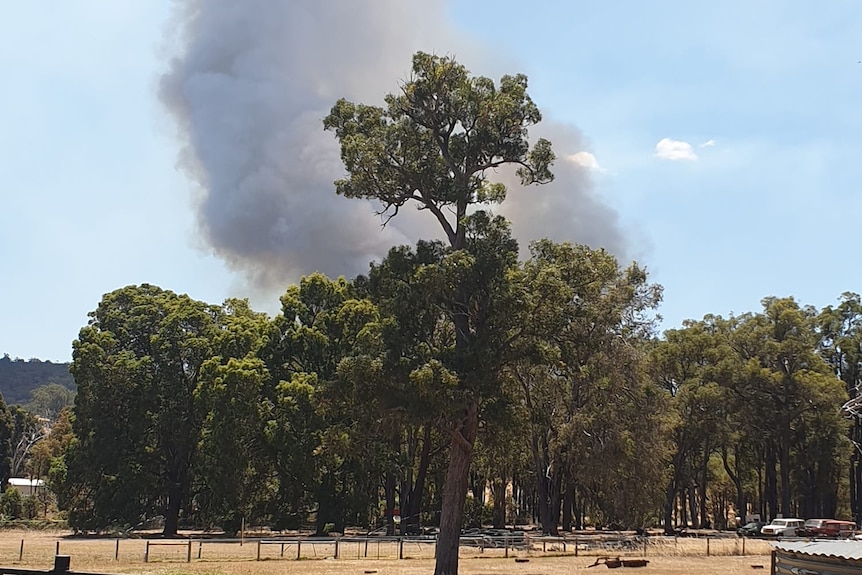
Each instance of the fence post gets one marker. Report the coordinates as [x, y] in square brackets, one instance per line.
[366, 546]
[147, 552]
[743, 545]
[506, 543]
[298, 547]
[57, 549]
[200, 547]
[707, 546]
[282, 549]
[21, 551]
[645, 543]
[258, 550]
[336, 546]
[576, 546]
[401, 548]
[117, 550]
[189, 552]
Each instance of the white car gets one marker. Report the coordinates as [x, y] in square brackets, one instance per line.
[782, 528]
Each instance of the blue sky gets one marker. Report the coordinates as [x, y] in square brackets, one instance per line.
[726, 136]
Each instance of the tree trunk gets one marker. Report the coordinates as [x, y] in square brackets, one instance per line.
[477, 486]
[771, 494]
[172, 511]
[692, 505]
[784, 465]
[683, 509]
[704, 520]
[856, 472]
[669, 502]
[389, 494]
[414, 499]
[580, 511]
[544, 508]
[455, 491]
[568, 502]
[327, 504]
[499, 494]
[737, 483]
[555, 502]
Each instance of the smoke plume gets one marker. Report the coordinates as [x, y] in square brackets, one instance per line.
[248, 88]
[567, 209]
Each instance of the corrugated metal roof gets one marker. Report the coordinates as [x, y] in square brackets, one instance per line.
[840, 549]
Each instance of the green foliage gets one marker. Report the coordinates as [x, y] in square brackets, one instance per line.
[354, 385]
[19, 378]
[477, 514]
[436, 141]
[231, 468]
[7, 429]
[12, 504]
[137, 365]
[49, 400]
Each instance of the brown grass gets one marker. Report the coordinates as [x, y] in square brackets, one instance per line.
[666, 556]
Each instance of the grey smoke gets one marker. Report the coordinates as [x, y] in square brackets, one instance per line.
[248, 88]
[567, 209]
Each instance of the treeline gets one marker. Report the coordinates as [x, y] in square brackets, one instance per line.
[336, 410]
[19, 378]
[25, 450]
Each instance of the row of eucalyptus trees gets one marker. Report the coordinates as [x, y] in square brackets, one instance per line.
[336, 410]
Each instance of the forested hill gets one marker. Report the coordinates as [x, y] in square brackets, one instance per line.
[19, 377]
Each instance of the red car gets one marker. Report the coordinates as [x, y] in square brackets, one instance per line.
[826, 528]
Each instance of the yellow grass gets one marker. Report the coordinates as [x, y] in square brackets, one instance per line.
[666, 556]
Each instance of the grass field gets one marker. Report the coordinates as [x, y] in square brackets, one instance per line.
[666, 556]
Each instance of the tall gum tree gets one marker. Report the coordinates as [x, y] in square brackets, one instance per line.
[434, 144]
[137, 364]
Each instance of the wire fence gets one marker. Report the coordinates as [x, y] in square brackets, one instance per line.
[41, 549]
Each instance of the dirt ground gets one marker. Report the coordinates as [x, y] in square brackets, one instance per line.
[98, 556]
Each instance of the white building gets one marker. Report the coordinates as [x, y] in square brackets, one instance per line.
[26, 486]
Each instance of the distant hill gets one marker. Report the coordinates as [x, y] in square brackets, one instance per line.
[19, 377]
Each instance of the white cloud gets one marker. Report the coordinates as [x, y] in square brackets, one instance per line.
[707, 144]
[668, 149]
[585, 160]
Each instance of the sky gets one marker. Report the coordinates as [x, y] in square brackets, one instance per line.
[717, 144]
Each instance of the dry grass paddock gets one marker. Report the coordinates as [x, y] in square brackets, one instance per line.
[666, 556]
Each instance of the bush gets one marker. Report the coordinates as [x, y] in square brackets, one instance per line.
[476, 514]
[11, 504]
[29, 507]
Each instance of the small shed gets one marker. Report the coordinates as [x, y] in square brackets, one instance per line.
[818, 557]
[26, 486]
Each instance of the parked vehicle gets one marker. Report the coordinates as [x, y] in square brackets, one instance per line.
[783, 527]
[751, 529]
[826, 528]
